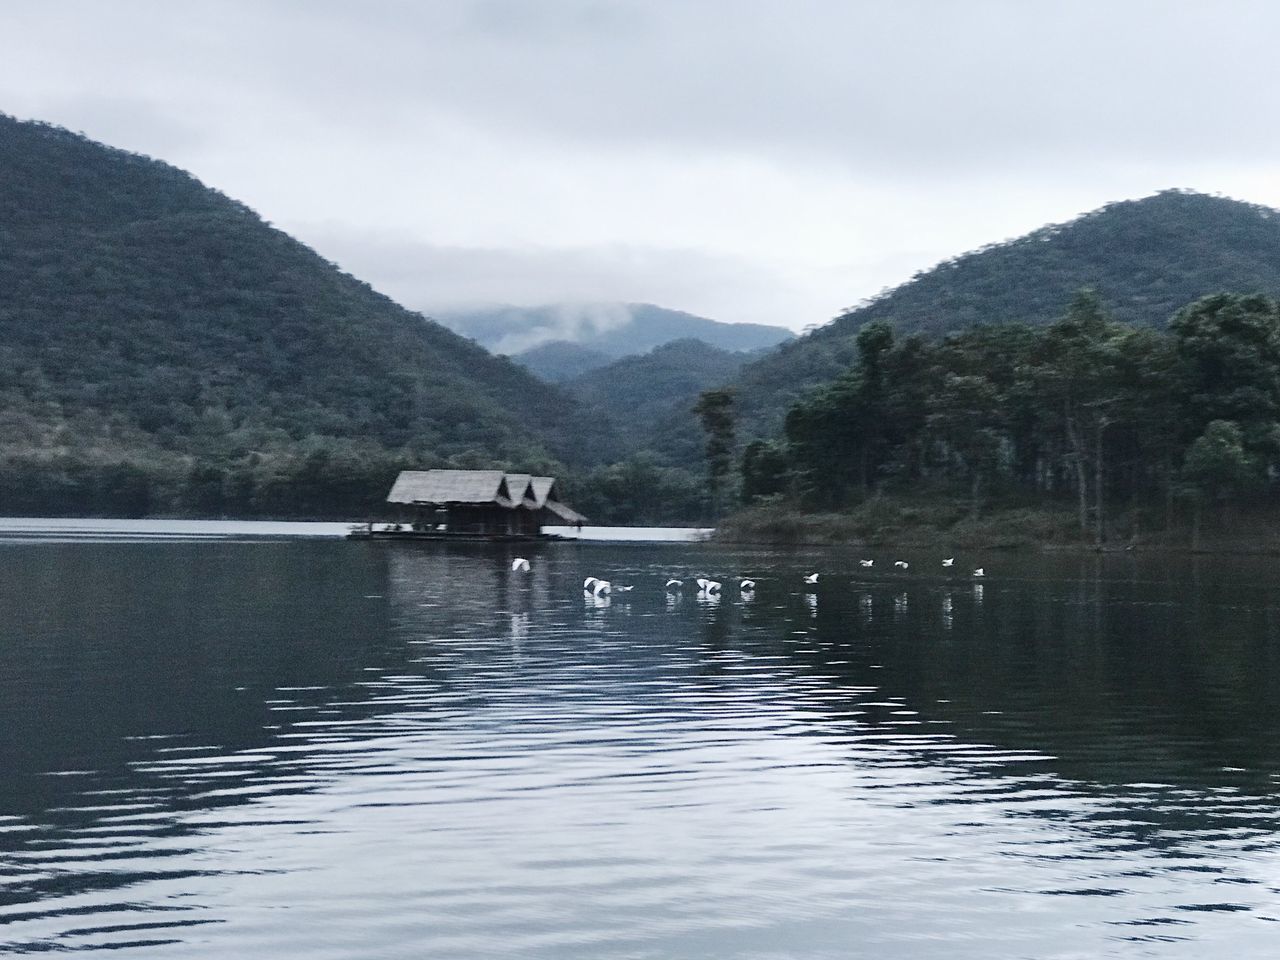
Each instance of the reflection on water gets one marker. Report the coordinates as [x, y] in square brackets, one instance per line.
[339, 749]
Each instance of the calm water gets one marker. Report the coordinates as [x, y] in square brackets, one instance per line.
[316, 749]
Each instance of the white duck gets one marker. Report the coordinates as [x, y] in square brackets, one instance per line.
[901, 564]
[949, 562]
[866, 563]
[811, 578]
[519, 565]
[979, 572]
[674, 585]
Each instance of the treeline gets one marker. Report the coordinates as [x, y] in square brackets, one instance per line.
[1121, 422]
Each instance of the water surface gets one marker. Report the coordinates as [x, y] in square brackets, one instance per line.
[332, 749]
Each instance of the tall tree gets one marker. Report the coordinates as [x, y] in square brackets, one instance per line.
[715, 409]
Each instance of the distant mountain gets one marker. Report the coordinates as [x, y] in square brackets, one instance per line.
[560, 360]
[1146, 258]
[614, 329]
[161, 347]
[650, 397]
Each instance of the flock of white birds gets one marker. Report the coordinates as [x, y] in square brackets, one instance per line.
[595, 587]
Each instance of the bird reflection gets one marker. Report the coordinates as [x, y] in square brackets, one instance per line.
[947, 616]
[867, 606]
[811, 601]
[977, 593]
[519, 627]
[900, 605]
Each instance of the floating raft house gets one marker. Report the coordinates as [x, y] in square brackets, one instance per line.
[473, 504]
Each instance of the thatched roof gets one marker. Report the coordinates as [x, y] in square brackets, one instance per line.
[509, 490]
[542, 489]
[520, 487]
[451, 486]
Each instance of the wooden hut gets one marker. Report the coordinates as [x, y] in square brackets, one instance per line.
[478, 503]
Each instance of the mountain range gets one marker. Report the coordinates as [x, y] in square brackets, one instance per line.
[163, 349]
[560, 341]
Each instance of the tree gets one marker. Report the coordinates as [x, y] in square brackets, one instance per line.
[715, 408]
[1078, 376]
[1218, 467]
[764, 470]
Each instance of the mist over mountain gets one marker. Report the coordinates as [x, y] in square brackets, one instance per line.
[161, 347]
[1146, 259]
[613, 329]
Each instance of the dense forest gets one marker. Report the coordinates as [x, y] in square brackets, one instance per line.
[1127, 426]
[1146, 258]
[162, 349]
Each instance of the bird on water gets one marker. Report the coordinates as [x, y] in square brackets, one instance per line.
[866, 563]
[520, 564]
[901, 564]
[811, 578]
[949, 562]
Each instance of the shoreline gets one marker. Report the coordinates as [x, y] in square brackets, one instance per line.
[886, 523]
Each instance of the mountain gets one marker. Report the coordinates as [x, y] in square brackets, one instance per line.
[1146, 258]
[162, 347]
[614, 329]
[560, 360]
[650, 397]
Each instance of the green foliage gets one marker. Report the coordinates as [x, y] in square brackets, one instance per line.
[639, 491]
[1217, 464]
[164, 350]
[715, 409]
[1085, 408]
[1147, 258]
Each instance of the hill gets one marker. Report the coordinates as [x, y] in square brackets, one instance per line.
[560, 360]
[1145, 258]
[650, 397]
[614, 329]
[162, 348]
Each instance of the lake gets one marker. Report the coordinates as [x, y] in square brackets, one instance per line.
[311, 748]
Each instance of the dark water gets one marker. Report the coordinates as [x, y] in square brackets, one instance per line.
[327, 749]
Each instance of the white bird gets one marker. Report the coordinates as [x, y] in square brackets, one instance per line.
[588, 583]
[702, 583]
[901, 564]
[949, 562]
[979, 572]
[673, 585]
[866, 563]
[747, 585]
[811, 578]
[709, 586]
[520, 564]
[602, 588]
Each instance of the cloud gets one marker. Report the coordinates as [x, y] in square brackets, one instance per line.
[434, 278]
[743, 160]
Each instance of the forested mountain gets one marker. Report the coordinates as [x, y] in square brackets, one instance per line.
[650, 397]
[161, 347]
[1145, 258]
[561, 360]
[613, 329]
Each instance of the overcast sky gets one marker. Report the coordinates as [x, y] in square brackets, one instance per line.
[765, 161]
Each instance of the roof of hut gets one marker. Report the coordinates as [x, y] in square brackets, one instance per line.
[519, 486]
[542, 487]
[452, 486]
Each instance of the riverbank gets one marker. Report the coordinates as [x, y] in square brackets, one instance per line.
[890, 521]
